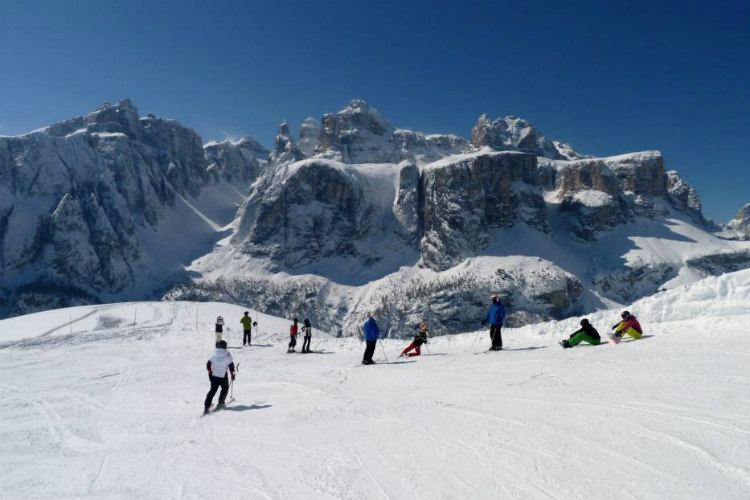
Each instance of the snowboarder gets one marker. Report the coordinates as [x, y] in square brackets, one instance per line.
[372, 332]
[218, 365]
[587, 333]
[219, 328]
[307, 330]
[629, 325]
[495, 317]
[293, 331]
[419, 339]
[247, 328]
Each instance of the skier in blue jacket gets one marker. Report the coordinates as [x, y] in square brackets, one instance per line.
[372, 332]
[495, 317]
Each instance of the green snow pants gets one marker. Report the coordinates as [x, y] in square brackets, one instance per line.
[579, 337]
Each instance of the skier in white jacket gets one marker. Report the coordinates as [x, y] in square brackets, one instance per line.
[219, 367]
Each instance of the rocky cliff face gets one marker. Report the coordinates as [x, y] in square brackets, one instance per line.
[516, 134]
[75, 195]
[465, 199]
[236, 161]
[360, 134]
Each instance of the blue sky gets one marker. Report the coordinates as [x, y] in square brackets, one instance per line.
[608, 77]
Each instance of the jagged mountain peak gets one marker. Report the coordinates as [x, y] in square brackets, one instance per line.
[518, 134]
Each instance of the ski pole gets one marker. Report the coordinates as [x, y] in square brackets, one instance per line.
[231, 385]
[471, 349]
[384, 354]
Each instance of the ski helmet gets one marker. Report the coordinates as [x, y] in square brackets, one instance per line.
[625, 314]
[222, 344]
[584, 321]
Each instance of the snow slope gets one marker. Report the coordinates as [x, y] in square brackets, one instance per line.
[112, 410]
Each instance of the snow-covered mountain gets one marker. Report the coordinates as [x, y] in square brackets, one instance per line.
[104, 402]
[351, 220]
[739, 227]
[357, 215]
[111, 205]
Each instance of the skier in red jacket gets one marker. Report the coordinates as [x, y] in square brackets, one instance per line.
[293, 331]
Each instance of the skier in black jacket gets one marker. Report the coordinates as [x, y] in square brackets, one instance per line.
[307, 331]
[587, 333]
[419, 339]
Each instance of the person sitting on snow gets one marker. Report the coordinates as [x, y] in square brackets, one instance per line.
[587, 333]
[419, 339]
[629, 325]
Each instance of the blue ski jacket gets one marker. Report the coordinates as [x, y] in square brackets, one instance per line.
[372, 332]
[496, 314]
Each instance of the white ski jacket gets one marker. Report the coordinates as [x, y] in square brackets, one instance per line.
[219, 363]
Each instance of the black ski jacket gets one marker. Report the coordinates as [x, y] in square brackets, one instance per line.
[589, 330]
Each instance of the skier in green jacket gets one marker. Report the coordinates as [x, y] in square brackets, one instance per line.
[247, 327]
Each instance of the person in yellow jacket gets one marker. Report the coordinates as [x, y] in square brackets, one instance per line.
[247, 327]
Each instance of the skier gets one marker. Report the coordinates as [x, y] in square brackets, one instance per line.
[293, 330]
[247, 328]
[217, 367]
[419, 339]
[629, 325]
[307, 330]
[495, 317]
[587, 333]
[372, 332]
[219, 328]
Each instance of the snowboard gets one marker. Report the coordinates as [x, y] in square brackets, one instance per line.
[613, 339]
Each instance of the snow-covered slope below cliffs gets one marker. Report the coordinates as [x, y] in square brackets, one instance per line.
[113, 409]
[104, 206]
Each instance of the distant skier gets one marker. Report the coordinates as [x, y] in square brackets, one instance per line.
[219, 328]
[247, 328]
[372, 332]
[495, 317]
[587, 333]
[629, 325]
[307, 330]
[218, 365]
[419, 339]
[293, 331]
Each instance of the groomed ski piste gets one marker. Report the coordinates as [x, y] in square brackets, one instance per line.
[97, 405]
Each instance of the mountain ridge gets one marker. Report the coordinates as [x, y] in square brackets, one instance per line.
[358, 215]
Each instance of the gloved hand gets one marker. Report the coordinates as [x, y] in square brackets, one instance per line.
[484, 322]
[210, 372]
[233, 376]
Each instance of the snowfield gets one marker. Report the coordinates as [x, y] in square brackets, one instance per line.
[95, 405]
